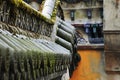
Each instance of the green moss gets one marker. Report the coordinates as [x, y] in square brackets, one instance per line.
[16, 2]
[57, 3]
[26, 7]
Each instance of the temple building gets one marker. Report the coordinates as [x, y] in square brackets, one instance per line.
[96, 23]
[59, 39]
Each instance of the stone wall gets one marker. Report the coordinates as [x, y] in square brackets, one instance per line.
[112, 38]
[80, 11]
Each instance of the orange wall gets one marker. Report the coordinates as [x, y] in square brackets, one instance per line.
[91, 66]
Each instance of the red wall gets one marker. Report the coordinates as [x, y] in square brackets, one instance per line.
[91, 66]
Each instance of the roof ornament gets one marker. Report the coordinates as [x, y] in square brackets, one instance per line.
[48, 8]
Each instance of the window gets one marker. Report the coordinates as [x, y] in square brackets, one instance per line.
[94, 32]
[72, 15]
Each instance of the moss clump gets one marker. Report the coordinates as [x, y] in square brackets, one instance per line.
[55, 10]
[26, 7]
[16, 2]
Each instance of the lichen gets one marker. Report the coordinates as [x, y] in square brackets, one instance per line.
[26, 7]
[16, 30]
[57, 3]
[16, 2]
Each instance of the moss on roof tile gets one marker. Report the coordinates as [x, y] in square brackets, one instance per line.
[23, 5]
